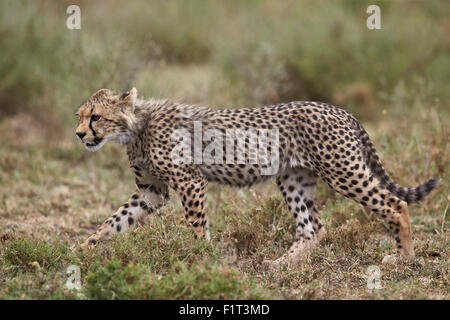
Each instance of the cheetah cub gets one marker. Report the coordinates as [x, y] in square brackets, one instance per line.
[183, 147]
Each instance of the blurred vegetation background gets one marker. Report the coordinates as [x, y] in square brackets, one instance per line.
[226, 54]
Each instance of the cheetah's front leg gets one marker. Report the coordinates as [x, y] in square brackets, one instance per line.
[191, 185]
[147, 199]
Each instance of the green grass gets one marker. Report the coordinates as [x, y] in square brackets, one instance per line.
[53, 194]
[116, 281]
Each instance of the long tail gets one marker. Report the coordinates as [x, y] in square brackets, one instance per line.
[410, 195]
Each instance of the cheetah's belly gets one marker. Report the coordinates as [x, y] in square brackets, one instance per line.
[236, 175]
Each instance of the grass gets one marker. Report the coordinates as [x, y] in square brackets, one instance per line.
[53, 193]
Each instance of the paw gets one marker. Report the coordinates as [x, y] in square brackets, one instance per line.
[86, 246]
[89, 243]
[407, 252]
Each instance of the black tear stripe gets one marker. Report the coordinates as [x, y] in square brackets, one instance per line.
[90, 127]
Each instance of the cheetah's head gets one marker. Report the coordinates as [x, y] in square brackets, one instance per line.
[106, 116]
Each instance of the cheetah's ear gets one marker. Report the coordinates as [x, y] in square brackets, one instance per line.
[129, 96]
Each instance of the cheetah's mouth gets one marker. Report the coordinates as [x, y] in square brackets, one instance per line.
[96, 144]
[91, 144]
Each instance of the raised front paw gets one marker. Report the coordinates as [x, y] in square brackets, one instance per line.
[90, 242]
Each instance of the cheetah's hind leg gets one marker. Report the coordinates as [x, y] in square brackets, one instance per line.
[298, 187]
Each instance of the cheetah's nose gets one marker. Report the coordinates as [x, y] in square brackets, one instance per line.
[81, 135]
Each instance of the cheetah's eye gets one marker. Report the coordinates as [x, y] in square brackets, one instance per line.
[95, 117]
